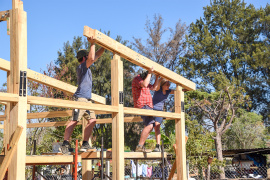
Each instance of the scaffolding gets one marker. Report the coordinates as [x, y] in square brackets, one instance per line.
[16, 102]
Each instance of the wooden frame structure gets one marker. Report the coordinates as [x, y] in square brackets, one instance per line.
[16, 100]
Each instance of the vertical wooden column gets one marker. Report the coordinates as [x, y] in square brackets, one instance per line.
[86, 164]
[18, 111]
[117, 118]
[180, 134]
[7, 112]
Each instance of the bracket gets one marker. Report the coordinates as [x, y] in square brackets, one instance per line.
[121, 97]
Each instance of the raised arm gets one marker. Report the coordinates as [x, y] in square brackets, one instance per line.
[93, 56]
[156, 85]
[146, 82]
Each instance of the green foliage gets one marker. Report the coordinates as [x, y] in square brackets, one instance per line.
[247, 132]
[232, 39]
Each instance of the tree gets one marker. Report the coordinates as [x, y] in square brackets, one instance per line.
[231, 38]
[247, 132]
[219, 109]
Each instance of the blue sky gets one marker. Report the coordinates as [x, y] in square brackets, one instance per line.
[50, 23]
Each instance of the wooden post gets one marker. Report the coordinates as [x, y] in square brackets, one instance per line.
[180, 134]
[18, 110]
[117, 118]
[86, 164]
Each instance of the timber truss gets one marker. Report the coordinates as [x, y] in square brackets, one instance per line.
[17, 102]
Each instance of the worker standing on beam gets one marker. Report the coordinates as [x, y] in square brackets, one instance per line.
[160, 96]
[143, 99]
[83, 94]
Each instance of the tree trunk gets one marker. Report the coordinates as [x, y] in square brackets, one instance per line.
[219, 154]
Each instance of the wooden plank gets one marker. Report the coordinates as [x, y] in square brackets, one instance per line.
[134, 57]
[69, 104]
[51, 82]
[3, 117]
[137, 111]
[8, 26]
[117, 119]
[53, 114]
[64, 123]
[174, 165]
[180, 135]
[3, 103]
[46, 159]
[18, 111]
[9, 97]
[12, 148]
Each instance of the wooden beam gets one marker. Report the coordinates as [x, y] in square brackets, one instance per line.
[3, 117]
[51, 82]
[47, 159]
[64, 123]
[134, 57]
[117, 118]
[12, 148]
[180, 134]
[69, 104]
[144, 112]
[9, 97]
[18, 111]
[1, 126]
[53, 114]
[3, 103]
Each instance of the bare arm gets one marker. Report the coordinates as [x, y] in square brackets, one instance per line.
[146, 82]
[93, 56]
[156, 85]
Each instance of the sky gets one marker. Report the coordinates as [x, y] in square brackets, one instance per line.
[51, 23]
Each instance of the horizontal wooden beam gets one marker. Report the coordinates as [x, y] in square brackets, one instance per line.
[53, 114]
[51, 82]
[48, 159]
[64, 123]
[9, 97]
[145, 112]
[70, 104]
[3, 103]
[3, 117]
[134, 57]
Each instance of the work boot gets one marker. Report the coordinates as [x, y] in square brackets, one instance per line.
[157, 148]
[66, 148]
[86, 147]
[142, 149]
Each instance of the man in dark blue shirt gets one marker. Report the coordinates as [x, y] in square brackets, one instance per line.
[83, 94]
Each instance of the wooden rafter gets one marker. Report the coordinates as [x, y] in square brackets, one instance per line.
[134, 57]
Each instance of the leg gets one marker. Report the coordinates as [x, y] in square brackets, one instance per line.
[88, 129]
[145, 133]
[157, 132]
[69, 129]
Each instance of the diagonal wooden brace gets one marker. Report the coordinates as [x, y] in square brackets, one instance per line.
[12, 147]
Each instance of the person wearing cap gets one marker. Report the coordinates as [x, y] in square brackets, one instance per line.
[142, 98]
[160, 96]
[83, 94]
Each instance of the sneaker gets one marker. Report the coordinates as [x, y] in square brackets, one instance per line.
[66, 149]
[142, 149]
[157, 149]
[86, 147]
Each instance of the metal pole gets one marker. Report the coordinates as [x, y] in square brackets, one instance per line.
[137, 167]
[162, 154]
[102, 158]
[34, 167]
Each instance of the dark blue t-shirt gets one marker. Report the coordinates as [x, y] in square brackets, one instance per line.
[159, 99]
[84, 79]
